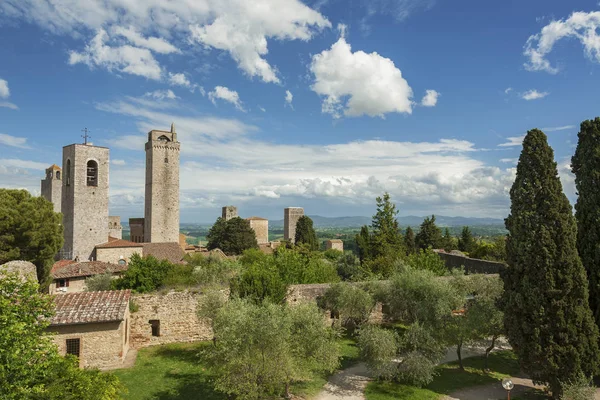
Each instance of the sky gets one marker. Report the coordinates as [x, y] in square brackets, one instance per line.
[322, 104]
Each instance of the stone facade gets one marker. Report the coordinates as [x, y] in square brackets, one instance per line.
[335, 244]
[68, 285]
[175, 315]
[136, 230]
[290, 219]
[52, 187]
[261, 228]
[114, 227]
[84, 199]
[161, 213]
[115, 254]
[471, 265]
[229, 212]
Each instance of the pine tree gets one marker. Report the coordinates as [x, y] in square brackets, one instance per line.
[545, 303]
[586, 167]
[429, 235]
[305, 233]
[386, 238]
[409, 241]
[448, 242]
[466, 242]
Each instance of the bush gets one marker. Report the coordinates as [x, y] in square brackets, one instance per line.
[578, 389]
[143, 274]
[99, 282]
[427, 260]
[348, 267]
[352, 304]
[378, 349]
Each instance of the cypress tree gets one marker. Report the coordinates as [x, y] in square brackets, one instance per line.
[586, 167]
[386, 236]
[409, 241]
[305, 233]
[546, 313]
[466, 242]
[363, 244]
[429, 235]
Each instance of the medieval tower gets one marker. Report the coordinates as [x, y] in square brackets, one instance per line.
[84, 199]
[161, 211]
[291, 215]
[52, 186]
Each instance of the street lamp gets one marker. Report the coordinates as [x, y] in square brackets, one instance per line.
[508, 384]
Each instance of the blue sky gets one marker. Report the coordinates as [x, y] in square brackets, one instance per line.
[323, 104]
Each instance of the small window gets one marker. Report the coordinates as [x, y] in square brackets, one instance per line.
[62, 283]
[155, 324]
[122, 262]
[166, 160]
[57, 174]
[74, 346]
[68, 173]
[92, 173]
[163, 138]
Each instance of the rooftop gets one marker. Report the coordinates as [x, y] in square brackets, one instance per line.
[85, 268]
[336, 241]
[256, 219]
[114, 243]
[171, 252]
[90, 307]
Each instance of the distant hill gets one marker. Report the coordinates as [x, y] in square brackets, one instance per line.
[352, 222]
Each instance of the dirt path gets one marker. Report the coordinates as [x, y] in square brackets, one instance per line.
[496, 392]
[348, 384]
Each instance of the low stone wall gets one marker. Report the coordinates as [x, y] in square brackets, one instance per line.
[176, 316]
[472, 265]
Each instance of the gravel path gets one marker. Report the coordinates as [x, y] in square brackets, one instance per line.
[348, 384]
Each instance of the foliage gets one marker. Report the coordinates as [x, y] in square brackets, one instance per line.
[466, 242]
[579, 388]
[383, 266]
[30, 230]
[210, 304]
[448, 242]
[252, 256]
[212, 269]
[427, 260]
[363, 244]
[259, 282]
[378, 349]
[261, 349]
[492, 251]
[297, 268]
[386, 235]
[143, 274]
[348, 267]
[30, 366]
[232, 236]
[586, 167]
[409, 241]
[546, 312]
[429, 235]
[352, 304]
[99, 282]
[305, 233]
[333, 255]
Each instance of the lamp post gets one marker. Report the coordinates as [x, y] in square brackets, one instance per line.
[508, 384]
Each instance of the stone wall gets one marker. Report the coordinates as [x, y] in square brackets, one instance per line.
[76, 285]
[261, 229]
[114, 254]
[229, 212]
[114, 227]
[136, 230]
[176, 313]
[291, 215]
[335, 244]
[52, 188]
[25, 269]
[472, 265]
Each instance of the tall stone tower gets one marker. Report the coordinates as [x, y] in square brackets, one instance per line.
[291, 215]
[52, 186]
[84, 199]
[229, 212]
[161, 211]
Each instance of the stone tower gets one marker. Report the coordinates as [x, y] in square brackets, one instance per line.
[291, 215]
[114, 227]
[52, 186]
[84, 199]
[229, 212]
[161, 211]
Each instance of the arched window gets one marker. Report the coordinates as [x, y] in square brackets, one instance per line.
[57, 174]
[122, 262]
[68, 172]
[92, 173]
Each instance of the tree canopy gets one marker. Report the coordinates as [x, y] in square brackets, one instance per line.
[143, 274]
[466, 242]
[305, 233]
[546, 312]
[429, 236]
[232, 236]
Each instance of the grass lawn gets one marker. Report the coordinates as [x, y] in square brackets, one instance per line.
[178, 372]
[449, 379]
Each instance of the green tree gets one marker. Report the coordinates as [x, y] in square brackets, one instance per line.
[466, 242]
[30, 230]
[260, 282]
[305, 233]
[261, 349]
[546, 311]
[448, 241]
[99, 282]
[363, 243]
[427, 260]
[586, 167]
[350, 303]
[143, 274]
[348, 267]
[233, 237]
[409, 241]
[429, 235]
[386, 235]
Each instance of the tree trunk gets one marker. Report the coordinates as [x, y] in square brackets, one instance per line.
[288, 395]
[458, 349]
[487, 353]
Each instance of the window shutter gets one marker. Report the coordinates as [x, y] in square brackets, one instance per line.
[57, 283]
[67, 282]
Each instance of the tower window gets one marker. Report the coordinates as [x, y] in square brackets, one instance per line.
[92, 173]
[166, 160]
[57, 174]
[155, 325]
[68, 172]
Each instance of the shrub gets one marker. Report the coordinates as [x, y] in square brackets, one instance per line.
[427, 260]
[99, 282]
[378, 349]
[351, 303]
[143, 274]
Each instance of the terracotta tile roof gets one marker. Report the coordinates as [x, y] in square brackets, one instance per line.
[336, 241]
[114, 242]
[256, 219]
[85, 268]
[59, 264]
[171, 252]
[89, 307]
[54, 166]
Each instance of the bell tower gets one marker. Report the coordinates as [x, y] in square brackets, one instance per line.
[161, 210]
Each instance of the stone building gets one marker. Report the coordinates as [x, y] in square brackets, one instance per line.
[69, 276]
[118, 251]
[52, 186]
[229, 212]
[136, 230]
[335, 244]
[291, 215]
[115, 229]
[261, 229]
[161, 212]
[94, 326]
[84, 199]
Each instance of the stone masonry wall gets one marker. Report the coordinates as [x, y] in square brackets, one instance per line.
[334, 245]
[291, 215]
[76, 285]
[136, 230]
[113, 255]
[114, 227]
[472, 265]
[229, 212]
[52, 191]
[176, 312]
[261, 229]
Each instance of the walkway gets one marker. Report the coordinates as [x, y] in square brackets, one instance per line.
[348, 384]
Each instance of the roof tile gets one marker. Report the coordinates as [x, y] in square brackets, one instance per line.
[90, 307]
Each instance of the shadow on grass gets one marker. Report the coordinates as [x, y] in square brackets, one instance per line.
[189, 386]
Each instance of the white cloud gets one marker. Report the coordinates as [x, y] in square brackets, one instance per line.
[14, 141]
[118, 162]
[580, 25]
[508, 90]
[558, 128]
[262, 109]
[224, 93]
[155, 44]
[27, 164]
[8, 105]
[4, 91]
[371, 83]
[533, 95]
[289, 97]
[430, 99]
[513, 141]
[161, 94]
[179, 80]
[127, 59]
[509, 160]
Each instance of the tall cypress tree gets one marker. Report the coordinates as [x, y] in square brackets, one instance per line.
[546, 313]
[409, 241]
[386, 235]
[305, 233]
[586, 167]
